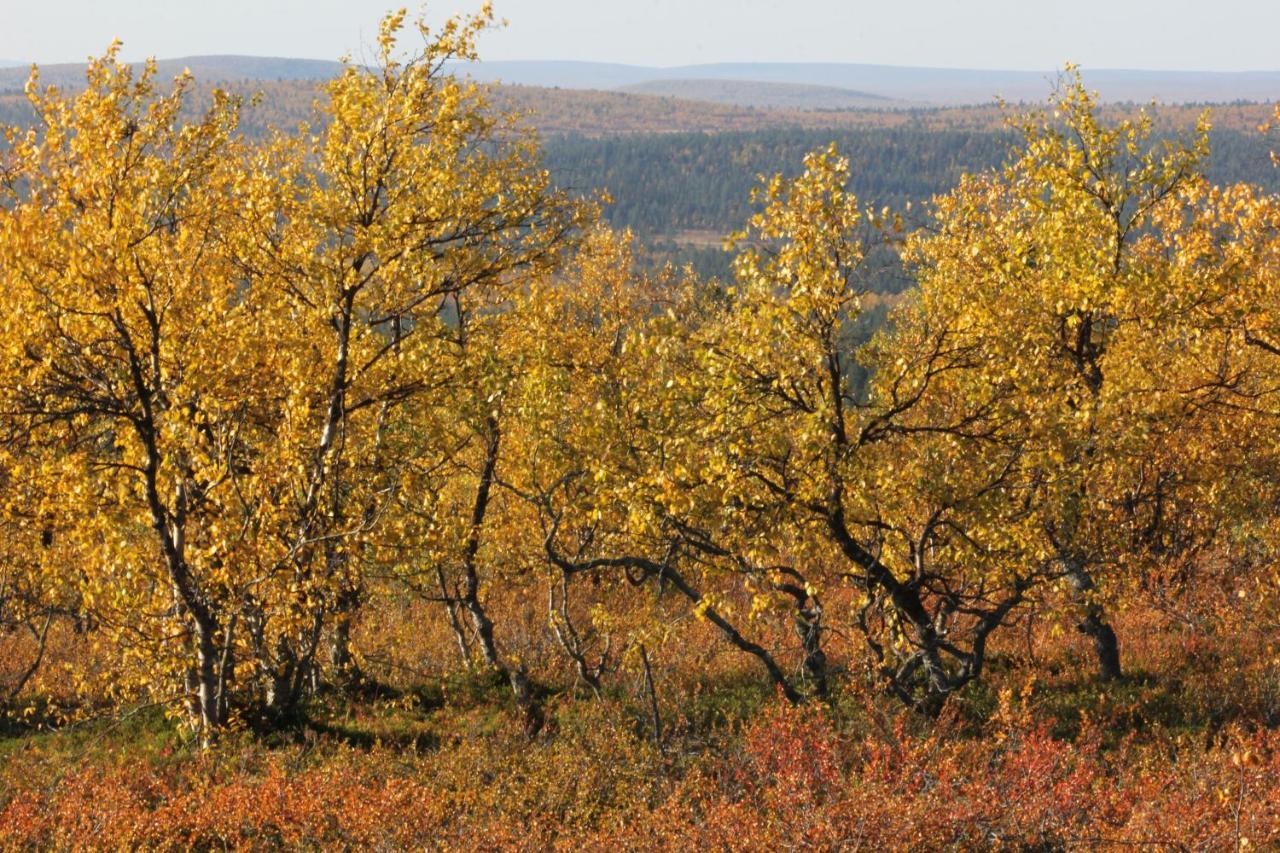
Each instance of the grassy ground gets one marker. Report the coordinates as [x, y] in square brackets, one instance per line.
[1180, 754]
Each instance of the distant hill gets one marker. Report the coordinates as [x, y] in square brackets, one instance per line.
[594, 113]
[597, 114]
[680, 155]
[840, 86]
[208, 69]
[564, 75]
[751, 93]
[934, 86]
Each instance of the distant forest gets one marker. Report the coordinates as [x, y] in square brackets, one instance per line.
[680, 172]
[679, 191]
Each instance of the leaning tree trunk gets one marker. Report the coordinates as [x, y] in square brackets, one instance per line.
[517, 677]
[808, 624]
[209, 706]
[450, 599]
[1106, 647]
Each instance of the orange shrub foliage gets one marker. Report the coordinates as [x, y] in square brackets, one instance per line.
[1025, 790]
[795, 780]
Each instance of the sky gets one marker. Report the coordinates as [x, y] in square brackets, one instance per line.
[1195, 35]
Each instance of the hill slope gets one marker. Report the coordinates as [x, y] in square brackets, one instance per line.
[751, 93]
[938, 86]
[208, 69]
[868, 85]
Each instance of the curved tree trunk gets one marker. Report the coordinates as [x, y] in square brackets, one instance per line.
[41, 636]
[808, 623]
[1106, 647]
[517, 677]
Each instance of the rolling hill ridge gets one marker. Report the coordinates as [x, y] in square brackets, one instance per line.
[759, 85]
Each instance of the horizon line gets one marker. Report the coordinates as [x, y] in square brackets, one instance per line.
[16, 63]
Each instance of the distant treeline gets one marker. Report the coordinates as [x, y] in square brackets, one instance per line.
[664, 186]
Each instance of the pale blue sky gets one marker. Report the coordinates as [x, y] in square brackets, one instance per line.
[1226, 35]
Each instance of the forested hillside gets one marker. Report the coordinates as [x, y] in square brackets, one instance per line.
[670, 183]
[684, 192]
[680, 172]
[925, 86]
[748, 93]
